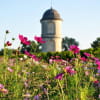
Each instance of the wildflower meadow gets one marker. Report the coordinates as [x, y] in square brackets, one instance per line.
[30, 77]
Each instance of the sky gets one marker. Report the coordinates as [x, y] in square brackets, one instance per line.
[81, 19]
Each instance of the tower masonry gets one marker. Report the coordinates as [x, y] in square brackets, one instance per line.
[51, 31]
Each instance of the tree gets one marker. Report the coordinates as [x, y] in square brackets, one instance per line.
[96, 43]
[33, 47]
[66, 42]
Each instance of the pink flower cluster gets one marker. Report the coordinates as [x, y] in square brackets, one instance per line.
[98, 65]
[87, 54]
[32, 56]
[83, 59]
[10, 70]
[24, 40]
[74, 49]
[39, 39]
[69, 70]
[3, 90]
[59, 76]
[57, 59]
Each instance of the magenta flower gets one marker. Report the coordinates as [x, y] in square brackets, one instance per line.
[98, 63]
[96, 59]
[28, 54]
[39, 39]
[83, 58]
[69, 70]
[74, 49]
[8, 43]
[96, 82]
[59, 76]
[57, 57]
[32, 56]
[24, 40]
[87, 54]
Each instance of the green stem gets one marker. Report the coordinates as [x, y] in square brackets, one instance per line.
[62, 92]
[4, 49]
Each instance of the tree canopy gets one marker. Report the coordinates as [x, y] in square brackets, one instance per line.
[96, 43]
[66, 42]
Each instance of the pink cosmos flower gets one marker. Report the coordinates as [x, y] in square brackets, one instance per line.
[96, 59]
[50, 61]
[39, 39]
[57, 57]
[24, 40]
[27, 53]
[98, 67]
[96, 82]
[99, 96]
[87, 54]
[26, 84]
[74, 49]
[9, 69]
[59, 76]
[8, 43]
[32, 56]
[86, 73]
[1, 86]
[52, 57]
[5, 91]
[2, 89]
[98, 63]
[69, 70]
[83, 58]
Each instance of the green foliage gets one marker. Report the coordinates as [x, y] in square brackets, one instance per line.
[33, 47]
[96, 43]
[1, 52]
[66, 42]
[90, 50]
[95, 52]
[63, 55]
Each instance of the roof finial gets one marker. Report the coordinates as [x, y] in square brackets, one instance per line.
[51, 3]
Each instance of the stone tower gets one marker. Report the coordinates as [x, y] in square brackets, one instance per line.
[51, 31]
